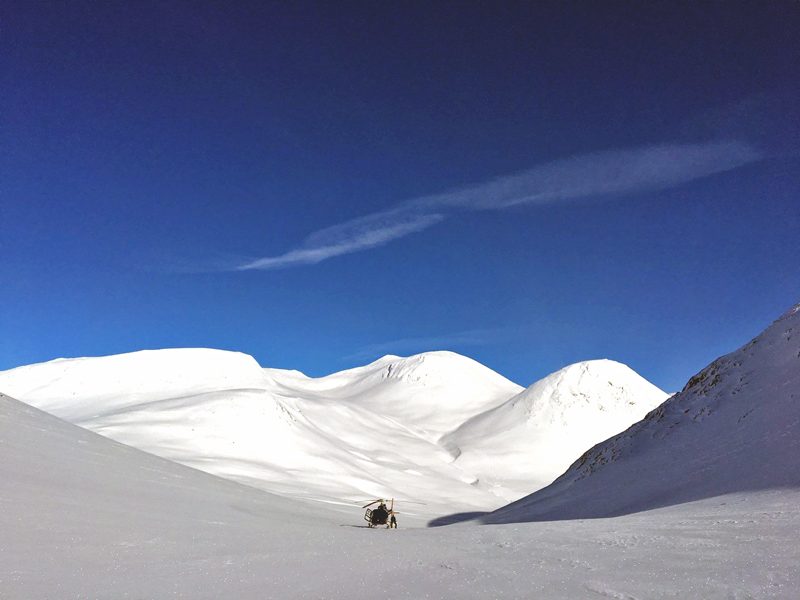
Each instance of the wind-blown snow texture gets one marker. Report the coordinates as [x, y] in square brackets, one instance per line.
[438, 427]
[735, 427]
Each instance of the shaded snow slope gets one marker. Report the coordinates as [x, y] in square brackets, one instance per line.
[525, 443]
[78, 506]
[369, 432]
[42, 452]
[85, 517]
[735, 427]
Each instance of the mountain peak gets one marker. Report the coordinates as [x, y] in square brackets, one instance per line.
[569, 410]
[604, 385]
[733, 428]
[436, 366]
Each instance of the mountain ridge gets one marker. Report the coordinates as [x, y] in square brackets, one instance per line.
[734, 427]
[375, 430]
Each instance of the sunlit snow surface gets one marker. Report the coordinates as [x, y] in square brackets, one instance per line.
[437, 428]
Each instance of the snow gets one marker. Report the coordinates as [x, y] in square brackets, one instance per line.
[528, 441]
[701, 499]
[86, 517]
[735, 427]
[433, 391]
[431, 428]
[78, 388]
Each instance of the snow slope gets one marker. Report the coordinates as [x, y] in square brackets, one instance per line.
[434, 392]
[532, 438]
[76, 389]
[85, 517]
[735, 427]
[383, 430]
[333, 438]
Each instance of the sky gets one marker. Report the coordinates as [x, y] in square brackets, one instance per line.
[320, 184]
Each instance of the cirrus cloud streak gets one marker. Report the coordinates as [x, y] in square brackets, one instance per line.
[359, 234]
[608, 173]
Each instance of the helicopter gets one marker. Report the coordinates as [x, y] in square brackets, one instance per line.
[382, 515]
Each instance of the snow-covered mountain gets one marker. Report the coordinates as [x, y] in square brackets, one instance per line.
[436, 427]
[434, 392]
[532, 438]
[77, 389]
[735, 427]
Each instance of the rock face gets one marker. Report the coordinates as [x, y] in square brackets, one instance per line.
[536, 435]
[735, 427]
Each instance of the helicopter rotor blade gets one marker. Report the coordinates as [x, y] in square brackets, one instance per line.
[392, 501]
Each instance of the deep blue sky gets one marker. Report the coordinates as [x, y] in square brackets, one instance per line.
[147, 152]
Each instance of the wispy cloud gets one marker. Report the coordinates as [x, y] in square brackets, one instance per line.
[608, 173]
[598, 174]
[360, 234]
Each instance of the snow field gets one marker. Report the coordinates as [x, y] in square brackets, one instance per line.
[86, 517]
[437, 428]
